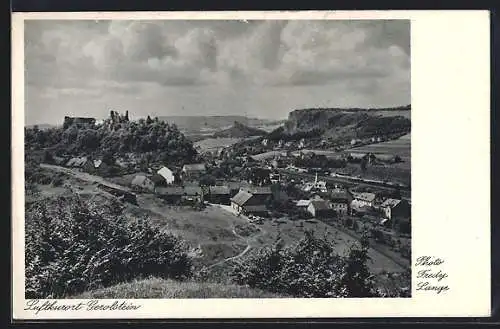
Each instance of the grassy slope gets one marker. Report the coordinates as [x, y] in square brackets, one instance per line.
[159, 288]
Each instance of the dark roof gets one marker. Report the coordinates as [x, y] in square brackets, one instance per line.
[320, 205]
[174, 190]
[192, 190]
[241, 198]
[340, 196]
[258, 189]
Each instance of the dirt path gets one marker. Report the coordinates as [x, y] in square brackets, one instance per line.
[241, 254]
[81, 175]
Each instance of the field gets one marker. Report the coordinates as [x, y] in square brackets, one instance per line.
[210, 144]
[400, 146]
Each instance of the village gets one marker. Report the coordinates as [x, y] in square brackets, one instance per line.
[263, 188]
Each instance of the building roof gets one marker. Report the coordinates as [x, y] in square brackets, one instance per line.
[139, 180]
[340, 196]
[390, 203]
[165, 172]
[77, 162]
[113, 186]
[194, 167]
[258, 189]
[241, 198]
[365, 196]
[219, 190]
[303, 203]
[320, 205]
[174, 190]
[192, 190]
[357, 155]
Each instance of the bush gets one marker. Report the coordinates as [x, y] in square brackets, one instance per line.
[311, 268]
[72, 246]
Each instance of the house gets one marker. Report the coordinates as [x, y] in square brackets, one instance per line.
[234, 187]
[264, 142]
[341, 201]
[118, 191]
[167, 174]
[79, 163]
[193, 170]
[355, 142]
[172, 194]
[303, 204]
[302, 143]
[193, 194]
[320, 209]
[315, 186]
[218, 194]
[262, 193]
[247, 203]
[395, 209]
[357, 155]
[364, 199]
[141, 182]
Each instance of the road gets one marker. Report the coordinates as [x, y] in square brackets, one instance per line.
[83, 175]
[241, 254]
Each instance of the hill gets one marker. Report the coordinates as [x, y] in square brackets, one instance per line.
[161, 288]
[337, 123]
[239, 130]
[114, 136]
[41, 126]
[212, 123]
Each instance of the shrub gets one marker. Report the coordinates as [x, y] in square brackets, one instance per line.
[311, 268]
[73, 246]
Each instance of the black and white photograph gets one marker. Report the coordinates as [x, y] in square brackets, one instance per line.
[217, 159]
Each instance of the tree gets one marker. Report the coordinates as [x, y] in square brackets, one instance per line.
[74, 245]
[363, 164]
[356, 280]
[310, 268]
[207, 180]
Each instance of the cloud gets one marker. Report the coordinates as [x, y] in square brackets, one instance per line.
[128, 57]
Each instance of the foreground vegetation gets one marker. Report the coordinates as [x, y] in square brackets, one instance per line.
[73, 246]
[161, 288]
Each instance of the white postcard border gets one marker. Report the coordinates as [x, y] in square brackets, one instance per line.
[450, 173]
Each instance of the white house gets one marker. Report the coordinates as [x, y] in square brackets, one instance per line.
[167, 174]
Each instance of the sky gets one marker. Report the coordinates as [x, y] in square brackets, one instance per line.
[262, 69]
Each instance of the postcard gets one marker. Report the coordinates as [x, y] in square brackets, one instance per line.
[204, 165]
